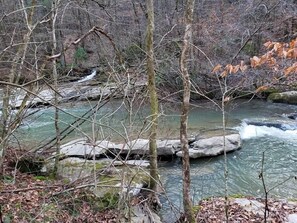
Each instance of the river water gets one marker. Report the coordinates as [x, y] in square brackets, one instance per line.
[280, 146]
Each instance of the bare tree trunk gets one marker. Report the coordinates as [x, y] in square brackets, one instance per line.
[137, 21]
[55, 77]
[4, 122]
[188, 210]
[225, 100]
[153, 95]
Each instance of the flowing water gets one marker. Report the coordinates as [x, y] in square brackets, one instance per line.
[280, 146]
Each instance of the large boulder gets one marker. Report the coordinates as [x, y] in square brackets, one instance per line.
[210, 146]
[73, 168]
[168, 146]
[85, 149]
[141, 147]
[213, 146]
[289, 97]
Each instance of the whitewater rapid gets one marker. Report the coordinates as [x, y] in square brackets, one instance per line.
[248, 131]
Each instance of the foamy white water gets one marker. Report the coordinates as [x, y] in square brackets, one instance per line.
[89, 77]
[247, 131]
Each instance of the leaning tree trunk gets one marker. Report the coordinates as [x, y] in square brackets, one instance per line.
[153, 96]
[188, 210]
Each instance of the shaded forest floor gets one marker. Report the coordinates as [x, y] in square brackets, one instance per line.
[30, 198]
[246, 210]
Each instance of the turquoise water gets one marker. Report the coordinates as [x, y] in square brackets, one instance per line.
[114, 121]
[207, 174]
[244, 165]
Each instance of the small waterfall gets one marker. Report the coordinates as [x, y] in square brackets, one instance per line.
[89, 77]
[248, 131]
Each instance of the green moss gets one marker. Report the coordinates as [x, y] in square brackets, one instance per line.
[70, 164]
[7, 179]
[80, 54]
[274, 97]
[108, 201]
[106, 177]
[292, 199]
[99, 166]
[66, 181]
[236, 196]
[196, 208]
[285, 97]
[43, 178]
[250, 48]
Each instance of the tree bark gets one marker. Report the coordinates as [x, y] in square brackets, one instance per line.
[153, 95]
[55, 77]
[187, 203]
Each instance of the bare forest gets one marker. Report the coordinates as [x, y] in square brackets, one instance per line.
[152, 54]
[110, 35]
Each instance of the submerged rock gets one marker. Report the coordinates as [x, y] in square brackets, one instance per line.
[289, 97]
[292, 116]
[213, 146]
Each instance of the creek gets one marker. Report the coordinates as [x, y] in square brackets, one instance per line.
[280, 145]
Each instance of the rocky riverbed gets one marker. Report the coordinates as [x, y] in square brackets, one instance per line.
[75, 91]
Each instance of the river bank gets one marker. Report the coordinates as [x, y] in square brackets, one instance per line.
[25, 197]
[207, 173]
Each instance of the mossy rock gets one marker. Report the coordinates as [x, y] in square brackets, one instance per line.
[237, 196]
[126, 182]
[269, 91]
[114, 182]
[289, 97]
[73, 168]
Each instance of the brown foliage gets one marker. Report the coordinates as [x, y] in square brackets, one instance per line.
[280, 57]
[213, 210]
